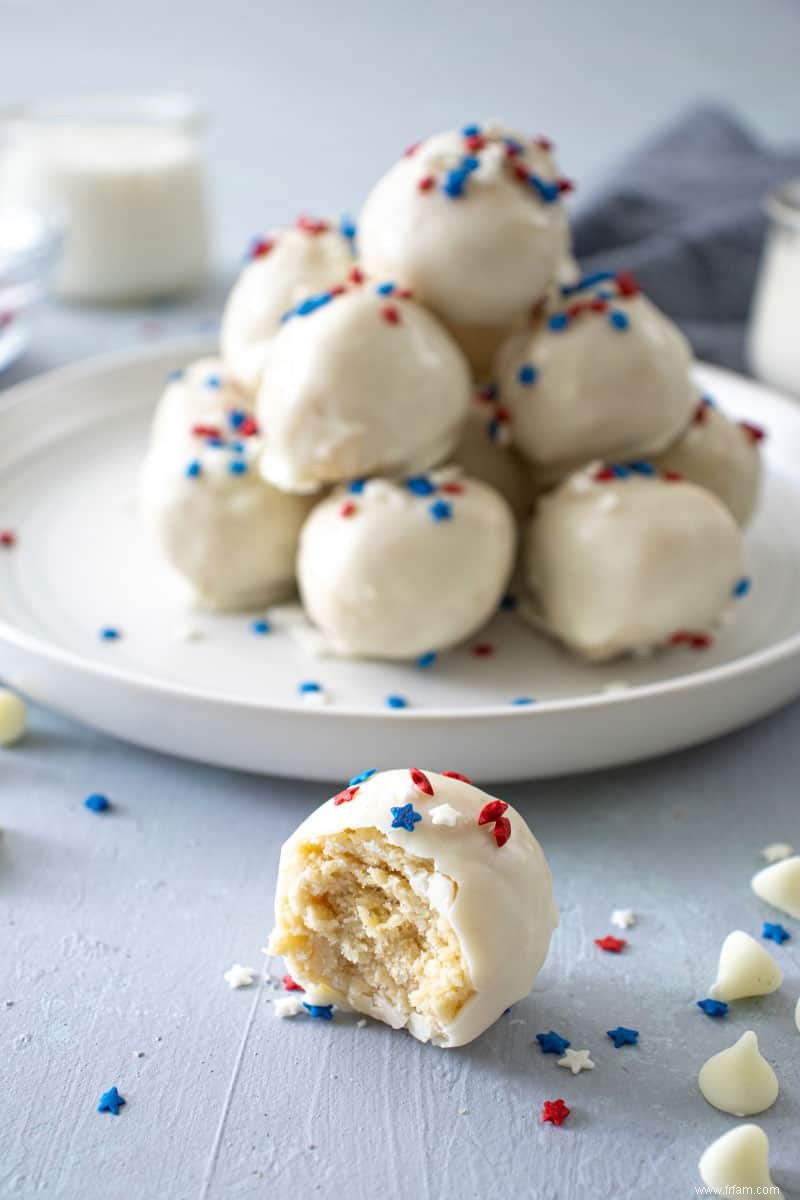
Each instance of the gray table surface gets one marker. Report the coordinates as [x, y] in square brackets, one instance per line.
[115, 929]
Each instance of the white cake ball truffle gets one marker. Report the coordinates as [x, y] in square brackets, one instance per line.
[619, 559]
[418, 899]
[283, 270]
[399, 569]
[199, 396]
[484, 453]
[720, 455]
[361, 381]
[603, 374]
[230, 534]
[474, 222]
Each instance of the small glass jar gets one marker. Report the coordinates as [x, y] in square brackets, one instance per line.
[774, 333]
[125, 175]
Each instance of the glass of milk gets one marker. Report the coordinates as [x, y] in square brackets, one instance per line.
[774, 335]
[125, 175]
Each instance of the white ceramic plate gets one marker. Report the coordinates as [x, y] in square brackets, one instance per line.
[70, 443]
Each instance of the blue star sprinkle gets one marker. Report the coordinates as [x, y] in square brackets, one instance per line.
[526, 375]
[557, 322]
[111, 1101]
[618, 319]
[110, 634]
[214, 381]
[384, 289]
[552, 1042]
[405, 817]
[548, 192]
[427, 660]
[622, 1036]
[236, 417]
[324, 1012]
[713, 1008]
[742, 587]
[587, 281]
[454, 184]
[237, 467]
[363, 777]
[356, 486]
[174, 376]
[97, 803]
[309, 685]
[420, 485]
[523, 701]
[347, 228]
[261, 626]
[642, 468]
[620, 471]
[440, 510]
[775, 933]
[471, 130]
[396, 702]
[193, 469]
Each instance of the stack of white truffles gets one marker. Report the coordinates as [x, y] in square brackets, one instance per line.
[394, 415]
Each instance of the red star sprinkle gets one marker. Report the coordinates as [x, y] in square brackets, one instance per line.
[501, 831]
[512, 151]
[598, 305]
[603, 475]
[492, 811]
[425, 183]
[456, 775]
[356, 275]
[452, 489]
[7, 538]
[348, 509]
[339, 290]
[674, 477]
[700, 641]
[290, 984]
[420, 781]
[483, 649]
[681, 638]
[754, 432]
[700, 413]
[544, 143]
[626, 284]
[411, 150]
[310, 225]
[345, 796]
[208, 431]
[554, 1111]
[390, 314]
[565, 185]
[610, 943]
[521, 172]
[475, 142]
[404, 294]
[261, 248]
[248, 427]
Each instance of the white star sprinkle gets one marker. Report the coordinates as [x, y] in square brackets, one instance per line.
[287, 1006]
[623, 918]
[776, 851]
[444, 814]
[577, 1061]
[239, 976]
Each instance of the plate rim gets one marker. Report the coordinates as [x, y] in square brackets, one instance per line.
[748, 665]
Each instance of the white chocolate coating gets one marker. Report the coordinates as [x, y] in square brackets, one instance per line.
[579, 387]
[719, 455]
[231, 536]
[482, 257]
[389, 580]
[350, 392]
[779, 885]
[618, 566]
[13, 717]
[745, 969]
[497, 900]
[484, 453]
[739, 1080]
[737, 1164]
[201, 393]
[288, 266]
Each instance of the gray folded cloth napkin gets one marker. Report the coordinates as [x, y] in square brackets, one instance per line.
[685, 214]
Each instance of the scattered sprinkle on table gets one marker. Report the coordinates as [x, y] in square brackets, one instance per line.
[323, 1012]
[394, 701]
[291, 985]
[622, 1036]
[261, 626]
[238, 976]
[552, 1042]
[775, 933]
[555, 1111]
[405, 817]
[713, 1008]
[97, 803]
[111, 1102]
[623, 918]
[776, 851]
[109, 633]
[576, 1061]
[611, 944]
[287, 1006]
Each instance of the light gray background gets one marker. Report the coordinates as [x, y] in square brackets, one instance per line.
[115, 930]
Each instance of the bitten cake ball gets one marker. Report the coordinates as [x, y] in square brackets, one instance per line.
[720, 455]
[418, 899]
[603, 374]
[400, 569]
[199, 396]
[484, 452]
[619, 559]
[473, 220]
[282, 270]
[361, 381]
[230, 534]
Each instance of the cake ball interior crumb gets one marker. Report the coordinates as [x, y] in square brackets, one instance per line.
[359, 919]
